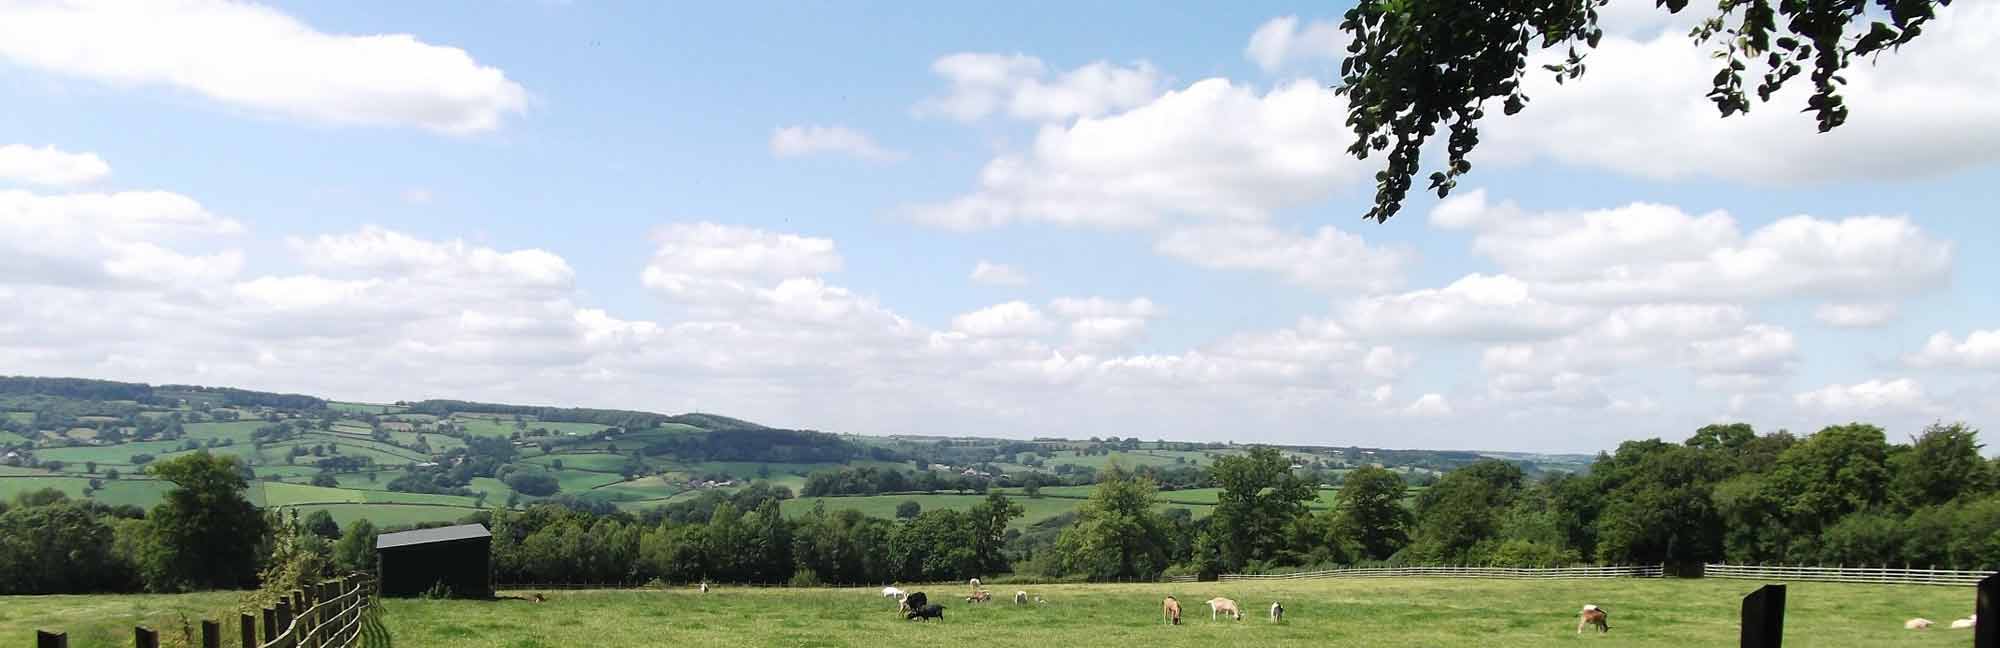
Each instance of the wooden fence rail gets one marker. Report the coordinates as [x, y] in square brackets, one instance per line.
[327, 615]
[1514, 573]
[1881, 575]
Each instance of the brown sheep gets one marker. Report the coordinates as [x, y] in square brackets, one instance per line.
[1592, 616]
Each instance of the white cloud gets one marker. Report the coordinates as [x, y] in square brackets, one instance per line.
[1074, 307]
[797, 141]
[1098, 323]
[1212, 150]
[1021, 86]
[1430, 405]
[259, 58]
[49, 166]
[112, 239]
[732, 251]
[1477, 306]
[1855, 315]
[374, 250]
[1280, 41]
[1011, 319]
[1643, 111]
[1327, 259]
[1978, 350]
[998, 274]
[1873, 396]
[1645, 253]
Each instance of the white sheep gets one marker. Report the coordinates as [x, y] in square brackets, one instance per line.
[891, 592]
[1020, 598]
[1917, 624]
[1966, 623]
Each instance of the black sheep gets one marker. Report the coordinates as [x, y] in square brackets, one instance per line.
[915, 600]
[932, 611]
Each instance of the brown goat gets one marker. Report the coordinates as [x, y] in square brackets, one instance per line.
[1592, 616]
[1172, 609]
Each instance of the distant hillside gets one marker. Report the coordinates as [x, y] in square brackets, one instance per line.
[439, 460]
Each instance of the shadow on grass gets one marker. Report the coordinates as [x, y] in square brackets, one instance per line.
[373, 633]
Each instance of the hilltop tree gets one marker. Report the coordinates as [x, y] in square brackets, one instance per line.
[908, 509]
[1260, 497]
[1370, 513]
[320, 523]
[1117, 535]
[1416, 66]
[208, 532]
[1463, 510]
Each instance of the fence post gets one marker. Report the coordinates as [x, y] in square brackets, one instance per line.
[211, 634]
[1764, 617]
[270, 625]
[46, 639]
[1987, 634]
[248, 625]
[144, 637]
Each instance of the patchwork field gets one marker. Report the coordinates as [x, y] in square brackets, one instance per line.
[1412, 612]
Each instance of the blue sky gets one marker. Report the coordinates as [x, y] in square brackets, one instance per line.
[775, 212]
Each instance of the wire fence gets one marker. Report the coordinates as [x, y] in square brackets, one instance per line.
[1882, 575]
[334, 614]
[1512, 573]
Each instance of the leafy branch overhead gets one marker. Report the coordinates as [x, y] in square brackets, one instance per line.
[1415, 66]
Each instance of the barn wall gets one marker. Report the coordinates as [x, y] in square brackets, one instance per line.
[464, 566]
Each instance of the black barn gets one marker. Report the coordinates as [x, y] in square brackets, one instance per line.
[460, 557]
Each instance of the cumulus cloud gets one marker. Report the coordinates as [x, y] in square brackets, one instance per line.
[1429, 405]
[1328, 258]
[49, 166]
[1977, 350]
[1213, 150]
[799, 141]
[1022, 87]
[1011, 319]
[1643, 111]
[1648, 253]
[124, 239]
[998, 274]
[258, 58]
[1873, 396]
[1477, 306]
[1285, 40]
[1855, 315]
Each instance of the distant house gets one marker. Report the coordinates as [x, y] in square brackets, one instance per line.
[458, 558]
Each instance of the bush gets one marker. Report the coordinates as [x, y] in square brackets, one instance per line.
[804, 577]
[533, 483]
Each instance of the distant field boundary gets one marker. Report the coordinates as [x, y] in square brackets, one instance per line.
[1882, 575]
[1503, 573]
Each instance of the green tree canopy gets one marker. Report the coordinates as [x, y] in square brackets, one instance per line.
[1117, 535]
[1260, 497]
[1415, 67]
[208, 531]
[1371, 512]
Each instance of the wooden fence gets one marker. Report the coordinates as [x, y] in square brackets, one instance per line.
[1513, 573]
[327, 615]
[1883, 575]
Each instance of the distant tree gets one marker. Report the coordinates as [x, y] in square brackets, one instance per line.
[537, 484]
[908, 509]
[1942, 464]
[1260, 497]
[988, 529]
[320, 523]
[90, 467]
[208, 531]
[1117, 535]
[1370, 513]
[556, 464]
[111, 473]
[325, 479]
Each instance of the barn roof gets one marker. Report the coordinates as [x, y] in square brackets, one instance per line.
[428, 536]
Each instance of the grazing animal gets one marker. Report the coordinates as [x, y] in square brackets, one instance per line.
[1277, 612]
[1038, 600]
[1918, 623]
[1223, 606]
[1172, 609]
[891, 592]
[932, 611]
[913, 601]
[981, 596]
[1966, 623]
[537, 597]
[704, 587]
[975, 583]
[1020, 598]
[1593, 616]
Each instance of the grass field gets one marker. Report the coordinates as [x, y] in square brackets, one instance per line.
[884, 506]
[1345, 613]
[389, 515]
[1382, 612]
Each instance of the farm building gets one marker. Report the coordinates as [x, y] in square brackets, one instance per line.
[459, 557]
